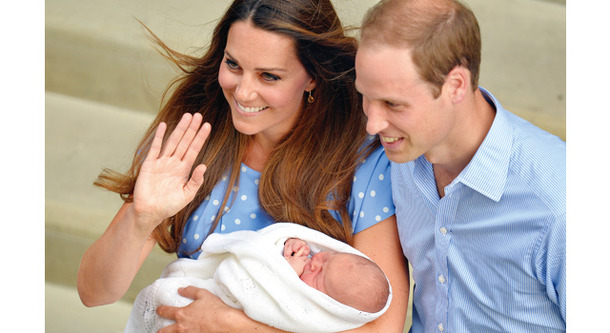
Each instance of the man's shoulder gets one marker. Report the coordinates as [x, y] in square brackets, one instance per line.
[532, 145]
[538, 160]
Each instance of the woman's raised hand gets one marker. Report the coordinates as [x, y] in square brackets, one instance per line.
[163, 186]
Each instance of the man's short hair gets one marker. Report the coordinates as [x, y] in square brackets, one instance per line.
[441, 35]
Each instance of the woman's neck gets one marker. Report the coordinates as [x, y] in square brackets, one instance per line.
[257, 153]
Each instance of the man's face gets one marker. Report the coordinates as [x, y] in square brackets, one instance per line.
[400, 106]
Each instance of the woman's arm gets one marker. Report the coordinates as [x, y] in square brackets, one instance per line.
[110, 264]
[162, 189]
[380, 242]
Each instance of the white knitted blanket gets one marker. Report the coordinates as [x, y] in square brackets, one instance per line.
[247, 270]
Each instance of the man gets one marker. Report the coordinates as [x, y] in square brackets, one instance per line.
[479, 192]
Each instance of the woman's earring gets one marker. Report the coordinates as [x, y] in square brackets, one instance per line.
[310, 99]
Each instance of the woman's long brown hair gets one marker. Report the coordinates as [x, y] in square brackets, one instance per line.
[310, 171]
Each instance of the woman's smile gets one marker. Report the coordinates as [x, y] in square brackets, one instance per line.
[250, 109]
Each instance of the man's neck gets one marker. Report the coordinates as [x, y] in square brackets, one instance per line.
[472, 130]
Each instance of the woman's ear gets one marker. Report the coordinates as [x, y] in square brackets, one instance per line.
[311, 85]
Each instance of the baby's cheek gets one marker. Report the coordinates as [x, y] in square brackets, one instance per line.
[306, 277]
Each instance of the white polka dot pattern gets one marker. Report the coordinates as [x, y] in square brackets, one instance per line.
[369, 203]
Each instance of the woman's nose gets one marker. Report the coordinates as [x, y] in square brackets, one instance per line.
[246, 89]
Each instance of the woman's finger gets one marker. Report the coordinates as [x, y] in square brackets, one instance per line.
[187, 138]
[195, 182]
[168, 312]
[177, 134]
[195, 147]
[192, 292]
[157, 142]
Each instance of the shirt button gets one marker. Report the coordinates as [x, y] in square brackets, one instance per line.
[443, 230]
[441, 327]
[441, 279]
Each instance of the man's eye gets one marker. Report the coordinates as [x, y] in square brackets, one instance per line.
[390, 104]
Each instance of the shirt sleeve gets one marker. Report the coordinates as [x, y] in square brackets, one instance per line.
[550, 262]
[371, 197]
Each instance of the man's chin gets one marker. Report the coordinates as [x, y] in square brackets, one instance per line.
[398, 157]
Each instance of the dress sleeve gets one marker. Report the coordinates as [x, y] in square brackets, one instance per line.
[371, 197]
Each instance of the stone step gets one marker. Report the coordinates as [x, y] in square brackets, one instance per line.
[64, 313]
[97, 50]
[82, 137]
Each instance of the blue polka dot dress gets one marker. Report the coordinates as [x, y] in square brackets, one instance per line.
[370, 202]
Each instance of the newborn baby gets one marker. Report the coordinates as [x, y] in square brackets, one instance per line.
[348, 278]
[255, 271]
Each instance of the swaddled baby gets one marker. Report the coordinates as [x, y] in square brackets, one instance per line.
[348, 278]
[335, 287]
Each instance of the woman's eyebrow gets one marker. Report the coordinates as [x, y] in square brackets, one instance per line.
[259, 69]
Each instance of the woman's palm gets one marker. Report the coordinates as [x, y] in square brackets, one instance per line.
[163, 186]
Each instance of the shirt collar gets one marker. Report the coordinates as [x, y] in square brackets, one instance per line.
[487, 171]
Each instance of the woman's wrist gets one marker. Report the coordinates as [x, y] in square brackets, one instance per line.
[144, 223]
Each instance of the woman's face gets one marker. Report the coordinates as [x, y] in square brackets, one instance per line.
[263, 81]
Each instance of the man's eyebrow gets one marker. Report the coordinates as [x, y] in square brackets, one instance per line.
[259, 69]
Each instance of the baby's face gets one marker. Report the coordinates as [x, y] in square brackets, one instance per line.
[315, 270]
[323, 272]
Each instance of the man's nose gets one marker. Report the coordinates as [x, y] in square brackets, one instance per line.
[376, 121]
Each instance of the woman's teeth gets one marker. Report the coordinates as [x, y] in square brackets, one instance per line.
[389, 140]
[249, 109]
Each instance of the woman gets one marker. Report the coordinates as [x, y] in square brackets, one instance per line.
[285, 142]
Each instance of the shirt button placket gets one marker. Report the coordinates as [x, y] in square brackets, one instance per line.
[445, 217]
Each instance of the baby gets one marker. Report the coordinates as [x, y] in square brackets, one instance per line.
[348, 278]
[335, 289]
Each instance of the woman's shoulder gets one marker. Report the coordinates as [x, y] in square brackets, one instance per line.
[371, 200]
[376, 164]
[373, 175]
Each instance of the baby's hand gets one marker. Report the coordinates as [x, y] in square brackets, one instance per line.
[294, 247]
[296, 252]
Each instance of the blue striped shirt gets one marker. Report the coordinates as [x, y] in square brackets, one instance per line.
[490, 255]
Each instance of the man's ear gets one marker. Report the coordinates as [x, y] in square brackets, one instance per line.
[457, 83]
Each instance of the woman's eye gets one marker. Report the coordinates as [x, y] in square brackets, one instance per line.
[270, 77]
[231, 64]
